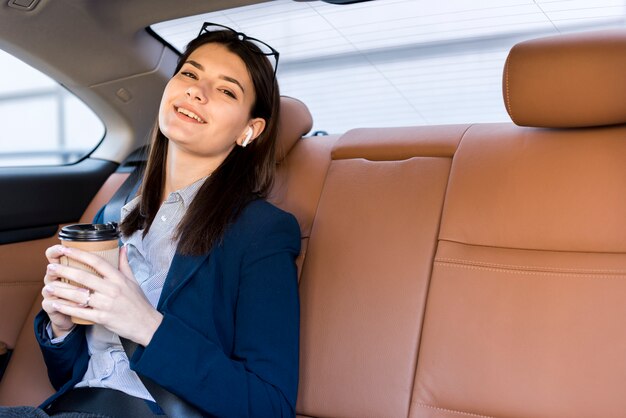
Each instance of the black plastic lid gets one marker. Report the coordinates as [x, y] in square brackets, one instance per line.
[90, 232]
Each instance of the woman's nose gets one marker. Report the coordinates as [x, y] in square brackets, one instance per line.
[196, 94]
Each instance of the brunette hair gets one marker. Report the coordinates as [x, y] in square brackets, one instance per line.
[245, 174]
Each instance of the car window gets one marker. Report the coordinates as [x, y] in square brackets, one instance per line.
[399, 62]
[41, 123]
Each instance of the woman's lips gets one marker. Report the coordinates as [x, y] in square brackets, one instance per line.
[188, 115]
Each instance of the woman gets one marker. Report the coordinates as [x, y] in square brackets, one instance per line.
[207, 284]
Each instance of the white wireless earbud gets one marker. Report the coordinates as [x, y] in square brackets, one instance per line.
[248, 138]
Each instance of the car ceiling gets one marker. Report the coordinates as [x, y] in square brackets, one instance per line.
[109, 45]
[109, 49]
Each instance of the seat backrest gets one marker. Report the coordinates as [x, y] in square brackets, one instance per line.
[365, 276]
[526, 302]
[478, 270]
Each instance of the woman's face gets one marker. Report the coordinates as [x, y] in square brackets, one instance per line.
[205, 108]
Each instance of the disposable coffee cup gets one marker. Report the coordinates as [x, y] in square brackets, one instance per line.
[99, 239]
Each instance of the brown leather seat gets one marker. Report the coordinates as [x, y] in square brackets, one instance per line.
[526, 301]
[478, 270]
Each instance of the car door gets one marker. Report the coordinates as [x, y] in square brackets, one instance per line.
[47, 179]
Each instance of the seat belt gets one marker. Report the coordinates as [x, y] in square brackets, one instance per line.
[173, 406]
[123, 195]
[136, 162]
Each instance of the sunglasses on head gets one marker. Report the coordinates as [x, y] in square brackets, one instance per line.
[263, 48]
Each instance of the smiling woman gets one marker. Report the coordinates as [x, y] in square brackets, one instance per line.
[447, 267]
[206, 91]
[206, 261]
[235, 102]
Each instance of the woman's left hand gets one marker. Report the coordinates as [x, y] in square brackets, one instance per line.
[116, 300]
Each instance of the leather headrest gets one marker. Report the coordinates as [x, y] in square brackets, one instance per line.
[295, 121]
[567, 81]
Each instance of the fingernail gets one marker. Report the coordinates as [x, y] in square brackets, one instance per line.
[49, 289]
[56, 305]
[52, 266]
[66, 250]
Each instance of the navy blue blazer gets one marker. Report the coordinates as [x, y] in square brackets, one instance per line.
[229, 339]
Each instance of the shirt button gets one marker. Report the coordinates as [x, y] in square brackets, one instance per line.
[163, 218]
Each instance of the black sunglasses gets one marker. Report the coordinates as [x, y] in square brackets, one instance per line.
[263, 48]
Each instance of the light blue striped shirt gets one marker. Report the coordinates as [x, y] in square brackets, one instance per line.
[150, 260]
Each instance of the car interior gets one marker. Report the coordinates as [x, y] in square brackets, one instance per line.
[447, 270]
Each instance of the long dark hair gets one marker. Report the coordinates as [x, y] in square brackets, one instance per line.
[245, 174]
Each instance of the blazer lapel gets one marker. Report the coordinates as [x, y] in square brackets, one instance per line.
[181, 270]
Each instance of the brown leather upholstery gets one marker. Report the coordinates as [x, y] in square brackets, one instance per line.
[295, 121]
[25, 381]
[299, 182]
[561, 190]
[526, 301]
[21, 279]
[389, 144]
[525, 308]
[365, 278]
[572, 80]
[524, 304]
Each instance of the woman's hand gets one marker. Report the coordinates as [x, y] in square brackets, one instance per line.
[61, 323]
[116, 300]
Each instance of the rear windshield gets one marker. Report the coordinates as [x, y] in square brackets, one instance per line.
[399, 62]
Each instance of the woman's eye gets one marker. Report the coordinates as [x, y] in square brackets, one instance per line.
[188, 74]
[229, 93]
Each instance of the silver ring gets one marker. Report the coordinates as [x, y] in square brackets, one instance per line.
[86, 304]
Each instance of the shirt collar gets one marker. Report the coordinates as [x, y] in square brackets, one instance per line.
[189, 192]
[127, 208]
[186, 194]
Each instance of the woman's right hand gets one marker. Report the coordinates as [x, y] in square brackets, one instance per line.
[61, 324]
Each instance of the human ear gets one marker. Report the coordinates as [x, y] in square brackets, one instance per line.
[254, 129]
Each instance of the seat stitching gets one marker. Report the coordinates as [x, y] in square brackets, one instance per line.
[506, 84]
[529, 273]
[518, 267]
[454, 411]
